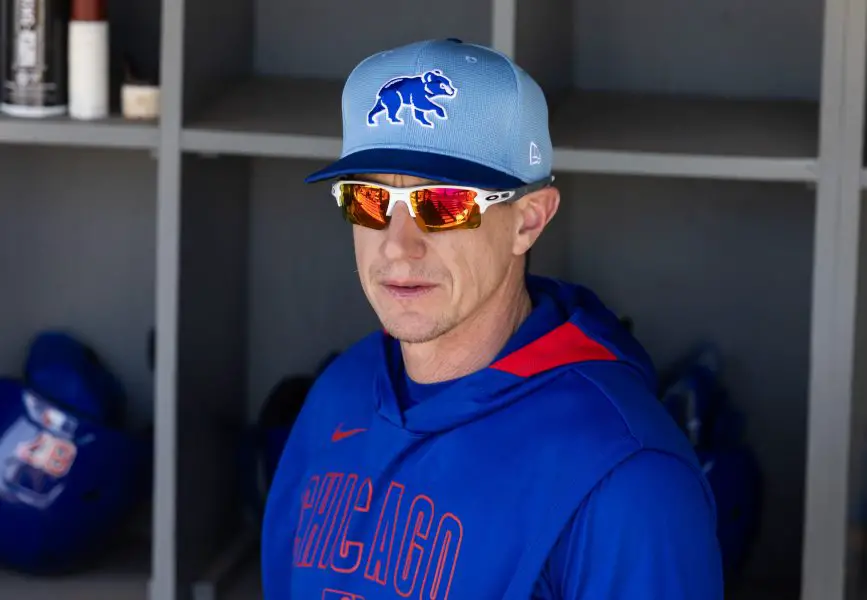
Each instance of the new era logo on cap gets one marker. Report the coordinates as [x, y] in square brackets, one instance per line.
[535, 154]
[447, 111]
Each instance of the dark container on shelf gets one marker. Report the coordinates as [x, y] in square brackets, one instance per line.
[33, 55]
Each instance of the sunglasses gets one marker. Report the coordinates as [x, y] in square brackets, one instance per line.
[435, 207]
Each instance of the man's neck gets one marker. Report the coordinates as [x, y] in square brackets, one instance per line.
[474, 343]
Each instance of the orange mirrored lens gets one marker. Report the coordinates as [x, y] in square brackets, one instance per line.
[365, 205]
[446, 208]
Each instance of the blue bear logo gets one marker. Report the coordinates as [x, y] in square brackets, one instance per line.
[415, 92]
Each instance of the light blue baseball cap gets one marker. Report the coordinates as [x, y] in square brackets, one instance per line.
[444, 110]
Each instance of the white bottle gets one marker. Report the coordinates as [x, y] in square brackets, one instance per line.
[88, 60]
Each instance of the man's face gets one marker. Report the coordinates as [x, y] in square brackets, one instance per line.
[422, 285]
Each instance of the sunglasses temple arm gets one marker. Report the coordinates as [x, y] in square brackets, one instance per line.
[538, 185]
[530, 188]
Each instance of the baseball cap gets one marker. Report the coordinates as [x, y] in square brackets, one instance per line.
[444, 110]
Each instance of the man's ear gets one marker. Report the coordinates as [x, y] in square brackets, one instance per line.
[533, 212]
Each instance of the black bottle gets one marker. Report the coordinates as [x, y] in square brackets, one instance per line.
[33, 55]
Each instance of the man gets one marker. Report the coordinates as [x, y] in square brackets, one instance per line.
[501, 438]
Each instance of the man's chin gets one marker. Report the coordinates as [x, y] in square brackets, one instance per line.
[412, 328]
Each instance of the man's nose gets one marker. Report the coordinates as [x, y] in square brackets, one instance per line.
[403, 238]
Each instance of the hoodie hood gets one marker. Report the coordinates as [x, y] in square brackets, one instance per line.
[569, 328]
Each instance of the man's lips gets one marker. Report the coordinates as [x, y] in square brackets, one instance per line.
[407, 289]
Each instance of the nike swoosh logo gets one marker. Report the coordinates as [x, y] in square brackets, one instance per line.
[340, 434]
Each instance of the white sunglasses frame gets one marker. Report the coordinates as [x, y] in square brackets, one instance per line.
[484, 198]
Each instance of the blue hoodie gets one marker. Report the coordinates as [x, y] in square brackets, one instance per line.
[554, 473]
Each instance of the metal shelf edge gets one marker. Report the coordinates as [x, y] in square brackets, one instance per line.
[269, 145]
[93, 135]
[686, 165]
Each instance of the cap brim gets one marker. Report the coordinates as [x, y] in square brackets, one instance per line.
[445, 169]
